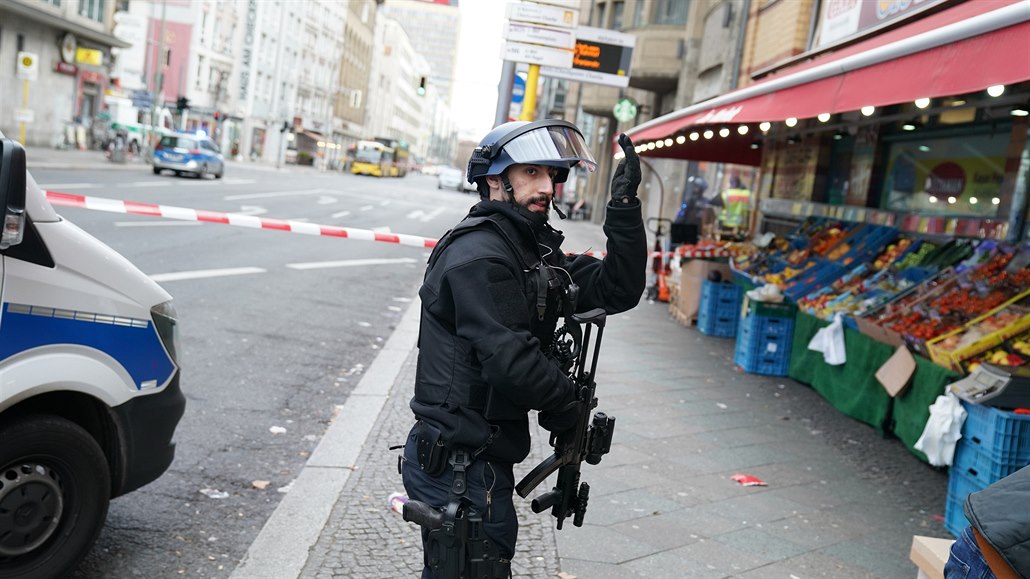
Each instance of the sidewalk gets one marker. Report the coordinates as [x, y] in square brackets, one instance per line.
[841, 501]
[76, 160]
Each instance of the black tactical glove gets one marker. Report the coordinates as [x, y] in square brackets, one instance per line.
[562, 420]
[627, 174]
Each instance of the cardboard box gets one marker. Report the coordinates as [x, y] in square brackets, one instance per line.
[896, 372]
[692, 275]
[930, 554]
[869, 328]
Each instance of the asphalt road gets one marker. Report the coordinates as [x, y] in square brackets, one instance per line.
[277, 329]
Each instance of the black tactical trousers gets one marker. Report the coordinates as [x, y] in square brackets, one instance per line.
[490, 489]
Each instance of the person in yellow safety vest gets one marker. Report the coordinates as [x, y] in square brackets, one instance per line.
[736, 205]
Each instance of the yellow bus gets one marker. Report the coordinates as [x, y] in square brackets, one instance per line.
[372, 158]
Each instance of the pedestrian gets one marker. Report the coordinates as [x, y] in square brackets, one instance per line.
[490, 305]
[996, 543]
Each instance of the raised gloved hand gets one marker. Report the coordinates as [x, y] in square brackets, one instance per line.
[562, 420]
[627, 174]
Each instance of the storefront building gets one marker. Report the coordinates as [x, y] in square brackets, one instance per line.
[914, 117]
[69, 45]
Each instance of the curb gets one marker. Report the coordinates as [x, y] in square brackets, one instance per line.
[282, 547]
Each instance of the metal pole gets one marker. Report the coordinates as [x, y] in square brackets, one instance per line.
[504, 89]
[529, 99]
[159, 77]
[24, 105]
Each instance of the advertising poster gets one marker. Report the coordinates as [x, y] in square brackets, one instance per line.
[795, 170]
[862, 158]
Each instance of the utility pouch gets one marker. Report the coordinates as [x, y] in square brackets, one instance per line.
[431, 450]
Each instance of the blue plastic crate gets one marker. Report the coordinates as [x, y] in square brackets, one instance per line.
[1002, 435]
[762, 353]
[959, 487]
[719, 309]
[970, 461]
[768, 325]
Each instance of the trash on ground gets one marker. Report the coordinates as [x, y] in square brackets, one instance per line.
[748, 480]
[277, 430]
[214, 493]
[261, 484]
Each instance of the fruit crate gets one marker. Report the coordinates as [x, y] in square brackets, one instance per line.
[1001, 435]
[959, 487]
[979, 466]
[719, 309]
[763, 345]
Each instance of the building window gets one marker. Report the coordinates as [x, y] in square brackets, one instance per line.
[618, 8]
[670, 12]
[639, 16]
[92, 9]
[53, 2]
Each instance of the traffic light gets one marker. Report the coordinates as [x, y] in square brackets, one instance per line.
[421, 86]
[182, 103]
[218, 116]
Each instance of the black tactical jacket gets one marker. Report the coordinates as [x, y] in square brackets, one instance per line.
[482, 364]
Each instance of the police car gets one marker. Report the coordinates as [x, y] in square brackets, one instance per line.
[89, 380]
[184, 153]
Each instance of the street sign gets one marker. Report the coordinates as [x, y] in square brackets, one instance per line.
[24, 115]
[28, 65]
[534, 54]
[89, 56]
[625, 109]
[540, 14]
[543, 35]
[602, 57]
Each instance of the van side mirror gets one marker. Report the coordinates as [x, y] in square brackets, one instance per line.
[12, 193]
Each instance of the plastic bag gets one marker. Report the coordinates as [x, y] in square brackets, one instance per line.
[942, 431]
[830, 341]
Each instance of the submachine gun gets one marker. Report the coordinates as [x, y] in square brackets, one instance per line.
[589, 440]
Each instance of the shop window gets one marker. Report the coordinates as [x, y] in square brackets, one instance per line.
[670, 12]
[957, 175]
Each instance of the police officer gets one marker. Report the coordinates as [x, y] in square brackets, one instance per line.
[491, 299]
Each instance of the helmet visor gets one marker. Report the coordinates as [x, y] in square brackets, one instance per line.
[550, 144]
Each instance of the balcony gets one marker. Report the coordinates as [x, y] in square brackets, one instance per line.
[598, 99]
[657, 58]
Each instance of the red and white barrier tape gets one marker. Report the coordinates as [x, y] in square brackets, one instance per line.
[237, 219]
[254, 222]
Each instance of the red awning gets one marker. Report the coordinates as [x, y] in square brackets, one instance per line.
[959, 50]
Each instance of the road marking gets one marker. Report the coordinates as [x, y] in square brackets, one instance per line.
[205, 273]
[350, 263]
[326, 200]
[339, 214]
[154, 183]
[365, 208]
[252, 210]
[270, 194]
[155, 223]
[70, 186]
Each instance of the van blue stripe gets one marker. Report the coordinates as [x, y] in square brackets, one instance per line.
[134, 345]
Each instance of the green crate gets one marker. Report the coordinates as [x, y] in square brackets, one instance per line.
[768, 309]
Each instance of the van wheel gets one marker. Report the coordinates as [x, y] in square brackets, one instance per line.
[157, 171]
[54, 492]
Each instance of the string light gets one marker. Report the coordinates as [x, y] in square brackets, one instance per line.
[708, 134]
[724, 132]
[996, 90]
[668, 142]
[823, 117]
[680, 140]
[742, 130]
[868, 110]
[922, 103]
[765, 126]
[791, 121]
[694, 136]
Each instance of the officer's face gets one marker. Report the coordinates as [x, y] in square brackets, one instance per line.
[533, 185]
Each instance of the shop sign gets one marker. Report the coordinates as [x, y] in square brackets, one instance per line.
[65, 68]
[89, 56]
[601, 57]
[625, 109]
[68, 47]
[840, 20]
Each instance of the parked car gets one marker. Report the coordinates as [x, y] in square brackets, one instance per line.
[451, 178]
[193, 154]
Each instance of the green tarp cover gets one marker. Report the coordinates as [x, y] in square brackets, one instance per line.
[853, 389]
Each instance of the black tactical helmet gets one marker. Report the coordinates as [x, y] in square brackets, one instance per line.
[550, 142]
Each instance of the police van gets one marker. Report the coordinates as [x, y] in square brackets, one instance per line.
[89, 380]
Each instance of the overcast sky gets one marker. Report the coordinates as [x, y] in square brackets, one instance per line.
[479, 66]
